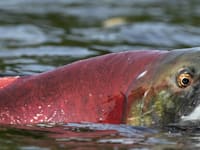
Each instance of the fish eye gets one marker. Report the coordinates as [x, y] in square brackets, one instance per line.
[184, 78]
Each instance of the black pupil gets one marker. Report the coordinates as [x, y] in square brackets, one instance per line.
[185, 81]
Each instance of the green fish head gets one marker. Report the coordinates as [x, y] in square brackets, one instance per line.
[172, 93]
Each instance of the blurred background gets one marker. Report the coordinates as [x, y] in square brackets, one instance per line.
[39, 35]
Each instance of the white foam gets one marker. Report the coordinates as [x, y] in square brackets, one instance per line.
[194, 115]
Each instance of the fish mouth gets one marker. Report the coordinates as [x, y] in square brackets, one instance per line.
[188, 113]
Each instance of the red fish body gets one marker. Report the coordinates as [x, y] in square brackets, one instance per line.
[92, 90]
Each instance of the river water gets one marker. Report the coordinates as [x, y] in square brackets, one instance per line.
[40, 35]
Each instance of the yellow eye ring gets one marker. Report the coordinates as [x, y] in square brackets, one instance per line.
[184, 79]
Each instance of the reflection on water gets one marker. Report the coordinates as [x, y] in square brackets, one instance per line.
[86, 135]
[37, 36]
[93, 136]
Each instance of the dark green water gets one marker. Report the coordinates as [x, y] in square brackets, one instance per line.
[40, 35]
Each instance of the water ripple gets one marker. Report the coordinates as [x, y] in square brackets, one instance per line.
[19, 35]
[157, 34]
